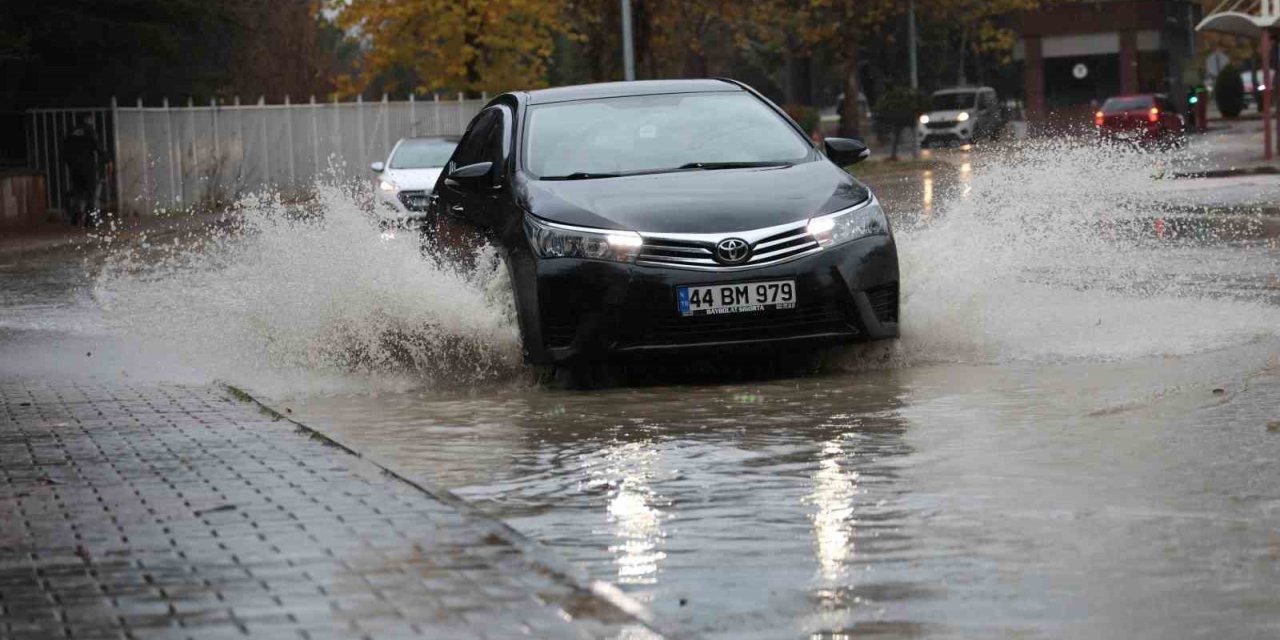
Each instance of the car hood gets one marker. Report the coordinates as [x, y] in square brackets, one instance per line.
[715, 201]
[413, 179]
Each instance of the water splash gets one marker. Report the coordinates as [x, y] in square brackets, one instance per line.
[1046, 254]
[1054, 252]
[312, 293]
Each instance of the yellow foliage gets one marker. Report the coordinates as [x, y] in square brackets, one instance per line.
[463, 45]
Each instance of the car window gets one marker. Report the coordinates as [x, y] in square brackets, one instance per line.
[952, 101]
[422, 154]
[1133, 103]
[657, 132]
[475, 144]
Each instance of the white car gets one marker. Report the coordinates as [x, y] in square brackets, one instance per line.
[406, 179]
[960, 116]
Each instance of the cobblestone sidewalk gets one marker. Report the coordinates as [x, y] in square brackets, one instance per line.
[158, 512]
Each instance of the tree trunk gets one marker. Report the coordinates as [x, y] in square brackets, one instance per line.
[897, 135]
[850, 109]
[961, 80]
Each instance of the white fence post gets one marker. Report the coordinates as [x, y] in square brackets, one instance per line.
[386, 125]
[360, 129]
[146, 162]
[315, 139]
[168, 132]
[413, 118]
[195, 157]
[244, 155]
[214, 130]
[458, 111]
[53, 170]
[288, 127]
[439, 118]
[266, 146]
[115, 155]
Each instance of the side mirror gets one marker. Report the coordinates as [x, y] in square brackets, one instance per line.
[378, 167]
[469, 176]
[845, 151]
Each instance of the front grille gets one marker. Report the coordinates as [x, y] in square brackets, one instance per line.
[940, 124]
[884, 301]
[661, 251]
[768, 325]
[415, 200]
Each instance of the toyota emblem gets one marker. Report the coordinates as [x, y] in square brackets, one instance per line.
[733, 251]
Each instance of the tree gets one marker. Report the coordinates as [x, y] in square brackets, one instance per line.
[1229, 92]
[897, 109]
[461, 45]
[978, 28]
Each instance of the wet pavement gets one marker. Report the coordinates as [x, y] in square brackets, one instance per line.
[1076, 437]
[168, 511]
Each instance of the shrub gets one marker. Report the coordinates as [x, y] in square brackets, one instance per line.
[1229, 92]
[804, 115]
[897, 109]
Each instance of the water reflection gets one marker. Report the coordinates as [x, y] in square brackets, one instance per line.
[833, 491]
[634, 514]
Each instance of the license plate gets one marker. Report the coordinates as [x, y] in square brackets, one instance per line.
[736, 298]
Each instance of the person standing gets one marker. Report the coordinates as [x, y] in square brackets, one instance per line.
[85, 160]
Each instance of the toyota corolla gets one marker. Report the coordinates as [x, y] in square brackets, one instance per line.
[671, 216]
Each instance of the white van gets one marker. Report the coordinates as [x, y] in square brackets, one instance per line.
[960, 116]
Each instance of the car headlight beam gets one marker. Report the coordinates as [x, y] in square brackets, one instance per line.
[387, 186]
[964, 115]
[861, 221]
[563, 241]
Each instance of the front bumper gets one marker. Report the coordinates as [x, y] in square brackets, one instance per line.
[953, 133]
[591, 310]
[401, 208]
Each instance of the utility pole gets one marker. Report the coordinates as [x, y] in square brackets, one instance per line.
[628, 52]
[911, 39]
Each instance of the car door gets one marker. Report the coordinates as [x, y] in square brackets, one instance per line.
[455, 200]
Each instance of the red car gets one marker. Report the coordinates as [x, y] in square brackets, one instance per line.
[1144, 118]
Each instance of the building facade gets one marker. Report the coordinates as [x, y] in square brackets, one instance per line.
[1076, 54]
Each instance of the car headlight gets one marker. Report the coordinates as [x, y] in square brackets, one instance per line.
[924, 119]
[387, 186]
[562, 241]
[861, 221]
[964, 115]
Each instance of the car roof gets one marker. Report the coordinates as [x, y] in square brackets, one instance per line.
[635, 88]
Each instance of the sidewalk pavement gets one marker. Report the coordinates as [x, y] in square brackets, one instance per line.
[53, 235]
[1229, 147]
[168, 511]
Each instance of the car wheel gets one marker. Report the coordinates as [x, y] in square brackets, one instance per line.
[584, 376]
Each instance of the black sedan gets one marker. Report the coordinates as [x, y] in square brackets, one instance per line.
[671, 216]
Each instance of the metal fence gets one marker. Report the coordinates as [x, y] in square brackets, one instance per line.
[176, 157]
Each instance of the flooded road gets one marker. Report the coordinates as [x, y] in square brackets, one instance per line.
[1078, 435]
[1119, 500]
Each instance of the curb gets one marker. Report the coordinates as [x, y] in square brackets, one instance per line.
[541, 557]
[1264, 170]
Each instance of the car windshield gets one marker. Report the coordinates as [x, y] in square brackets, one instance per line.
[1128, 104]
[644, 134]
[422, 154]
[952, 101]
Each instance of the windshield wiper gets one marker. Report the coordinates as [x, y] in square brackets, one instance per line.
[581, 175]
[734, 165]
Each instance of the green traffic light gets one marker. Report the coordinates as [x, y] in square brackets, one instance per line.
[1194, 99]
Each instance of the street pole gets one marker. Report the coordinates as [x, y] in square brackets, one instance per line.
[628, 52]
[911, 39]
[1267, 92]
